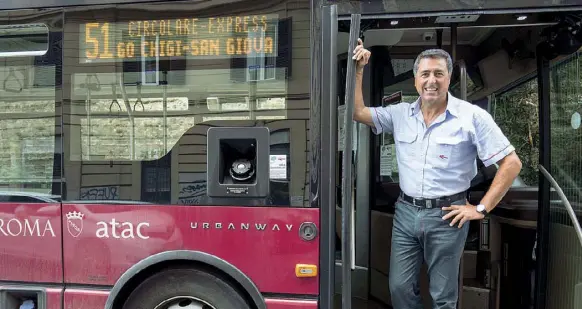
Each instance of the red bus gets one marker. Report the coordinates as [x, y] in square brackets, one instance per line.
[195, 154]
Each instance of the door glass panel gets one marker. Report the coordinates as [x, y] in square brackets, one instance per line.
[564, 249]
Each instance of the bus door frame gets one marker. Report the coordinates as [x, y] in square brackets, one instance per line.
[329, 31]
[324, 70]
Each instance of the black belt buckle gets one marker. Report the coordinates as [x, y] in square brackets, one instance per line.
[424, 203]
[430, 203]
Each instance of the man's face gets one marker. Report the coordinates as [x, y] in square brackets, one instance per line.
[432, 80]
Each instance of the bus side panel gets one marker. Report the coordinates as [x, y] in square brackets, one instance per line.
[54, 298]
[30, 235]
[86, 299]
[91, 299]
[101, 242]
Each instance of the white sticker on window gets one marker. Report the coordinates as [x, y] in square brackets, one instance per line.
[386, 160]
[278, 167]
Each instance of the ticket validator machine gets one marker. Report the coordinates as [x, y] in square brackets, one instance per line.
[238, 165]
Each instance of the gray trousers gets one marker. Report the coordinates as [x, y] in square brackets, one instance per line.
[421, 234]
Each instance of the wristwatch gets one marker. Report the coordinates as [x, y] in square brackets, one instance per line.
[481, 209]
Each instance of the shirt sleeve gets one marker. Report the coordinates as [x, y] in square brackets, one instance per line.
[492, 145]
[383, 119]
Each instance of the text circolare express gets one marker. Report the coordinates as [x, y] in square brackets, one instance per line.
[214, 37]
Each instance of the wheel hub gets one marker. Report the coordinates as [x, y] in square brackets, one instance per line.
[184, 302]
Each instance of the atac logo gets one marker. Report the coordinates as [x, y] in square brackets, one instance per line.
[75, 223]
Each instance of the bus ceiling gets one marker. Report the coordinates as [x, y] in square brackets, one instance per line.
[487, 43]
[452, 21]
[481, 23]
[476, 26]
[406, 8]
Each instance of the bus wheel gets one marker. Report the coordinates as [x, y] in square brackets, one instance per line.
[185, 288]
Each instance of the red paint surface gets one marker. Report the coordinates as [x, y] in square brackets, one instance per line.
[85, 299]
[273, 303]
[91, 299]
[30, 243]
[268, 257]
[53, 298]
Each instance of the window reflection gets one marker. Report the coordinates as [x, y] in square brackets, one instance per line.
[19, 40]
[147, 86]
[27, 129]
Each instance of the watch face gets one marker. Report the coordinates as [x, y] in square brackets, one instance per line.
[480, 208]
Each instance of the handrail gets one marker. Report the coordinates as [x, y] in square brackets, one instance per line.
[569, 208]
[463, 78]
[348, 245]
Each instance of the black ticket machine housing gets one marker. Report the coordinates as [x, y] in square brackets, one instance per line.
[238, 162]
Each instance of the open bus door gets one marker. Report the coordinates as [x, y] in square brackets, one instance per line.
[345, 137]
[347, 187]
[332, 122]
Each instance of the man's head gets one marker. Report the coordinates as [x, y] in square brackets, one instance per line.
[432, 75]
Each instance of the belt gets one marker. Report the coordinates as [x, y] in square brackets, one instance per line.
[438, 202]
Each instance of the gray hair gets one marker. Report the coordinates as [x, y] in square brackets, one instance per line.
[434, 53]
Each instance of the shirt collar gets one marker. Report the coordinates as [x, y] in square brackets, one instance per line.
[452, 106]
[415, 107]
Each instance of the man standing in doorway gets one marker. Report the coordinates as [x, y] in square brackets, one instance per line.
[438, 138]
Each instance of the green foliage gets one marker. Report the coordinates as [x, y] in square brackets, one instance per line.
[516, 113]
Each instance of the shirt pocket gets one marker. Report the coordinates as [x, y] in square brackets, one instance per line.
[405, 144]
[447, 150]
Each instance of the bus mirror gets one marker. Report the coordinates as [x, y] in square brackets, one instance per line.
[238, 162]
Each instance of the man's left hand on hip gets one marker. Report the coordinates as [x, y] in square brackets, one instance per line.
[462, 214]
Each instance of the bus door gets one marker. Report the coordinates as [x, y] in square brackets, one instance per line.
[348, 231]
[347, 146]
[357, 227]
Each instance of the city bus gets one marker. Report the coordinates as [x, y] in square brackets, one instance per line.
[201, 154]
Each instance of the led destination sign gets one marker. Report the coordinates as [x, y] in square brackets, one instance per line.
[205, 38]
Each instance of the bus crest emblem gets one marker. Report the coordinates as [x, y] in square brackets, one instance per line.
[75, 223]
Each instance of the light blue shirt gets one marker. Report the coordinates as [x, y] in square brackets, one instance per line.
[440, 160]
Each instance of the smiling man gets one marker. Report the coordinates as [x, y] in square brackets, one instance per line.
[438, 138]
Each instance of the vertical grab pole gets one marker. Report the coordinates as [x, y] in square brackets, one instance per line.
[463, 95]
[347, 179]
[463, 79]
[545, 160]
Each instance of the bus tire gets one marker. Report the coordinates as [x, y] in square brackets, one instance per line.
[179, 282]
